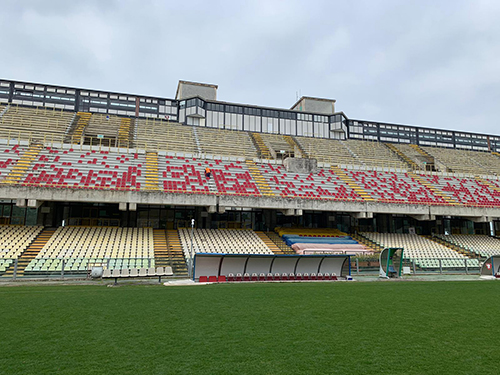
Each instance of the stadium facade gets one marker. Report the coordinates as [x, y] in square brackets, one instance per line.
[196, 106]
[91, 176]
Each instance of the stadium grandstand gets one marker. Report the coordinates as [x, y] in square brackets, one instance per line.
[91, 178]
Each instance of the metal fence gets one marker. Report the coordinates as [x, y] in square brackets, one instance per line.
[425, 266]
[42, 268]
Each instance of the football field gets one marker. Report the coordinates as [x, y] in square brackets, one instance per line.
[284, 328]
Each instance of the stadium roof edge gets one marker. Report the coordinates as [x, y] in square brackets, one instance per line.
[260, 106]
[422, 127]
[88, 89]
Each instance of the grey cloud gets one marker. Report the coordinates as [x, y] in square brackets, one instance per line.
[417, 62]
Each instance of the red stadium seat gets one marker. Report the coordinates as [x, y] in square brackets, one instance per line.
[222, 279]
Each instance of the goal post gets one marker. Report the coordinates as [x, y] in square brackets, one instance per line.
[391, 262]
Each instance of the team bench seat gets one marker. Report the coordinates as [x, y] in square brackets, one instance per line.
[137, 272]
[269, 277]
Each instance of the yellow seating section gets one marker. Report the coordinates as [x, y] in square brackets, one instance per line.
[226, 142]
[99, 242]
[154, 134]
[15, 239]
[36, 123]
[312, 232]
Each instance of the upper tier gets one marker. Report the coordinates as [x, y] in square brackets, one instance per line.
[55, 126]
[93, 167]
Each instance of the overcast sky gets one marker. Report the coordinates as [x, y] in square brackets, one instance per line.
[428, 63]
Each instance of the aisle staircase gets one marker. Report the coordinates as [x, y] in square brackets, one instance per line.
[458, 249]
[152, 181]
[23, 164]
[428, 158]
[269, 243]
[263, 150]
[402, 156]
[260, 181]
[489, 184]
[126, 133]
[82, 121]
[434, 189]
[295, 146]
[30, 253]
[278, 241]
[162, 257]
[175, 253]
[367, 242]
[351, 183]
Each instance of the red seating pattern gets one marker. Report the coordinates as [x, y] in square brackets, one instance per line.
[394, 187]
[94, 169]
[467, 191]
[323, 185]
[9, 156]
[183, 174]
[269, 277]
[86, 169]
[233, 178]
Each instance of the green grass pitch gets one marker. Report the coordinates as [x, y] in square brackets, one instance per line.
[288, 328]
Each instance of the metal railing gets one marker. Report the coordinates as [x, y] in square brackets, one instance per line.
[424, 266]
[42, 268]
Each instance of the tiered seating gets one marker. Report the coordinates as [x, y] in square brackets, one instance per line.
[394, 187]
[91, 169]
[459, 161]
[375, 154]
[226, 142]
[488, 161]
[323, 185]
[9, 156]
[105, 125]
[327, 151]
[321, 241]
[411, 153]
[277, 144]
[15, 240]
[223, 241]
[482, 245]
[310, 232]
[467, 191]
[41, 123]
[79, 246]
[153, 134]
[424, 252]
[187, 175]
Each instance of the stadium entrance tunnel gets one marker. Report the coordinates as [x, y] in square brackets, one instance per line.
[391, 263]
[248, 267]
[491, 268]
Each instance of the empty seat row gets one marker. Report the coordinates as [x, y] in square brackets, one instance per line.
[268, 277]
[14, 239]
[223, 241]
[137, 272]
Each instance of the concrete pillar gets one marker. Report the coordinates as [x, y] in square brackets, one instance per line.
[21, 202]
[34, 203]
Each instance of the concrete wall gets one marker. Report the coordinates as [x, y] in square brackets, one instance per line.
[192, 89]
[299, 165]
[361, 209]
[316, 105]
